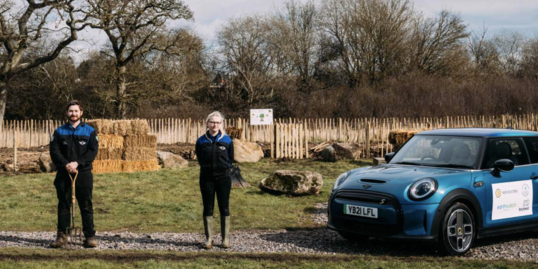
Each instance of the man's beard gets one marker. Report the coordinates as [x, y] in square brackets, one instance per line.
[74, 118]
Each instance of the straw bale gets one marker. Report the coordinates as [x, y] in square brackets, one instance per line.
[109, 154]
[399, 137]
[234, 133]
[139, 154]
[137, 166]
[101, 126]
[143, 141]
[122, 127]
[139, 127]
[107, 166]
[110, 141]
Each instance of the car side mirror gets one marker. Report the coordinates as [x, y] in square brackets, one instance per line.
[502, 165]
[389, 156]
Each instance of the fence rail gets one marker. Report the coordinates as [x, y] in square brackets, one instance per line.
[288, 138]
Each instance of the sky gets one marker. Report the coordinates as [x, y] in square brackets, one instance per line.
[495, 15]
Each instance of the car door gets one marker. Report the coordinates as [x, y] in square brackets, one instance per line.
[510, 196]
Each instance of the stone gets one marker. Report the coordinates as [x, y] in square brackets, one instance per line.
[328, 154]
[45, 163]
[345, 150]
[247, 152]
[292, 182]
[171, 160]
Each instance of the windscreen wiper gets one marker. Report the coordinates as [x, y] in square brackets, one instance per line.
[450, 165]
[408, 163]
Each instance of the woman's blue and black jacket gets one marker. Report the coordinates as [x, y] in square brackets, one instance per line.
[215, 155]
[74, 145]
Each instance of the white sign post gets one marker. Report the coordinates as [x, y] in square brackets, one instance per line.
[261, 116]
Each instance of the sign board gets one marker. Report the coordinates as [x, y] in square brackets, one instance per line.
[261, 116]
[512, 199]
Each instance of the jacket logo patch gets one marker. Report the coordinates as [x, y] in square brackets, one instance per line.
[65, 143]
[82, 143]
[222, 148]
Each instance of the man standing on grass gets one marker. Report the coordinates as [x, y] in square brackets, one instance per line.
[73, 148]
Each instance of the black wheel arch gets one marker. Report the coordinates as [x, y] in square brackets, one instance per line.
[461, 195]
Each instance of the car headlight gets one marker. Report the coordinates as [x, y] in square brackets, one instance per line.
[422, 189]
[341, 178]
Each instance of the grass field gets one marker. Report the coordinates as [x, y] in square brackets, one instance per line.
[166, 200]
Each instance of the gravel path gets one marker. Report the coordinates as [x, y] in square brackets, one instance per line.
[312, 241]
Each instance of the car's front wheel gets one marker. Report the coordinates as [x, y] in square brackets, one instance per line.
[458, 230]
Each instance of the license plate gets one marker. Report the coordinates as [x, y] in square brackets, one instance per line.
[362, 211]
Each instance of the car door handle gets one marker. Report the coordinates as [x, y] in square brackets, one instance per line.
[534, 177]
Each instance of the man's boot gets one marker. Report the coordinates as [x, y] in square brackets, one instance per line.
[208, 229]
[225, 231]
[90, 242]
[60, 241]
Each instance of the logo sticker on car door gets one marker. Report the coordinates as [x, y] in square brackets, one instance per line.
[512, 199]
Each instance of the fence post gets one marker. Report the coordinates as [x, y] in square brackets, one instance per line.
[15, 133]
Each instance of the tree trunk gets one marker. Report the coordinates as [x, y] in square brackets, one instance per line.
[3, 99]
[121, 91]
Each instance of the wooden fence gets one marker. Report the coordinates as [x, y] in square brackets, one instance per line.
[288, 138]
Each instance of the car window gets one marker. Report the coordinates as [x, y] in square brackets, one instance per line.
[505, 148]
[532, 148]
[440, 151]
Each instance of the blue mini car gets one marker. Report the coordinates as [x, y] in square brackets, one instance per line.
[449, 186]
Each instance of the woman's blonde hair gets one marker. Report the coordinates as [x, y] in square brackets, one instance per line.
[217, 114]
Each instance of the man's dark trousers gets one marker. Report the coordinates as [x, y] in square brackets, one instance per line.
[83, 188]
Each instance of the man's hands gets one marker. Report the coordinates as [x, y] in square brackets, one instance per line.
[72, 167]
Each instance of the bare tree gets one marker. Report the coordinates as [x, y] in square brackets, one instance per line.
[529, 62]
[371, 36]
[437, 44]
[24, 29]
[294, 36]
[484, 56]
[244, 46]
[135, 28]
[509, 47]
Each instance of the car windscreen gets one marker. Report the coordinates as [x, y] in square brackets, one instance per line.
[440, 151]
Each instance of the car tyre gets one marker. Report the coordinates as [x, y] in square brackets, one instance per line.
[458, 230]
[353, 237]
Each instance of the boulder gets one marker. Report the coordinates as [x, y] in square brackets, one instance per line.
[345, 150]
[171, 160]
[45, 163]
[247, 152]
[292, 182]
[378, 161]
[328, 154]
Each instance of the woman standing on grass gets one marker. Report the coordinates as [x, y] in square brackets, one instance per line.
[215, 153]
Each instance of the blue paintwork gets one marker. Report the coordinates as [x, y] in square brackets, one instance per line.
[418, 216]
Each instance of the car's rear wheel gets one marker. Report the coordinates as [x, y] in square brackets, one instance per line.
[353, 237]
[458, 230]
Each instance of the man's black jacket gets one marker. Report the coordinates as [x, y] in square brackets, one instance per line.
[74, 145]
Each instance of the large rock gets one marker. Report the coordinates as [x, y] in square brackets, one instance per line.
[328, 154]
[45, 162]
[247, 152]
[171, 160]
[292, 182]
[345, 150]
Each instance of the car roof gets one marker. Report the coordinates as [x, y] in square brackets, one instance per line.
[480, 132]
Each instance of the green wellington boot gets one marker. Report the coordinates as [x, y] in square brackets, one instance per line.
[225, 231]
[208, 229]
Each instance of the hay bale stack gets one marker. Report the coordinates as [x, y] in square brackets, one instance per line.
[107, 166]
[124, 146]
[145, 141]
[102, 127]
[139, 154]
[137, 166]
[398, 137]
